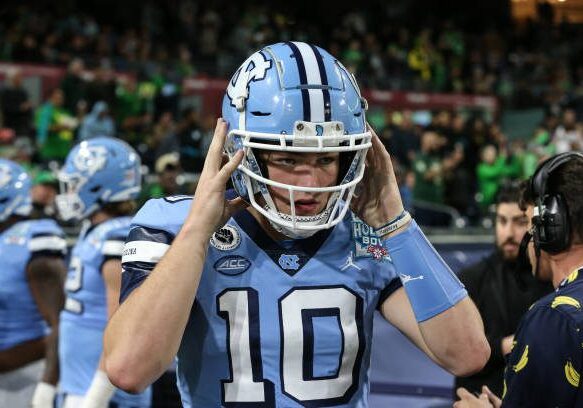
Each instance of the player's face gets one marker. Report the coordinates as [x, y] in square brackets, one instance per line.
[511, 225]
[543, 271]
[304, 170]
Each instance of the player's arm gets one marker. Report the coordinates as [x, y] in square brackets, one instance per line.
[444, 351]
[144, 334]
[101, 389]
[449, 328]
[45, 278]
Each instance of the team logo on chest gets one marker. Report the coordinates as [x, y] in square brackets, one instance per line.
[289, 262]
[226, 239]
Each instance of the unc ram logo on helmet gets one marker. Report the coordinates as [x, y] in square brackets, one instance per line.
[296, 97]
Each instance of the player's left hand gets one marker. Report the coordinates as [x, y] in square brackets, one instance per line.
[377, 199]
[210, 210]
[468, 400]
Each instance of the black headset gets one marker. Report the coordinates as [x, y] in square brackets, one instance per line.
[551, 228]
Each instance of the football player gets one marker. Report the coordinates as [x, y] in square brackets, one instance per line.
[32, 271]
[272, 305]
[99, 181]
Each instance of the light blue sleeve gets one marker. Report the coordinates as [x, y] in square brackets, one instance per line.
[430, 284]
[46, 238]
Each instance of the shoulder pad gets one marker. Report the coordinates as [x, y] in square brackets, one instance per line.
[164, 215]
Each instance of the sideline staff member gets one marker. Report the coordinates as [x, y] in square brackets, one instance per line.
[545, 365]
[500, 295]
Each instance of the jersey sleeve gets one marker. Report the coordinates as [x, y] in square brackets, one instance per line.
[545, 363]
[151, 233]
[113, 243]
[388, 290]
[46, 239]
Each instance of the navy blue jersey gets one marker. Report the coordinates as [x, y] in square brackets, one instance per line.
[20, 319]
[544, 367]
[274, 323]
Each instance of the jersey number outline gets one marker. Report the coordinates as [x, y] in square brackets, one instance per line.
[73, 284]
[247, 386]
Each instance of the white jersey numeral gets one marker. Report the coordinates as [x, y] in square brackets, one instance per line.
[240, 308]
[243, 387]
[73, 284]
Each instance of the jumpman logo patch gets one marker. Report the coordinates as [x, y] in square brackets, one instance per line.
[350, 263]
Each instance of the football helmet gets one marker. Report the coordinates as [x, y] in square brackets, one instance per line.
[97, 171]
[295, 97]
[15, 187]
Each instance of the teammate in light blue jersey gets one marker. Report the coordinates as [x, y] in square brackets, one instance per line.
[31, 295]
[99, 181]
[267, 299]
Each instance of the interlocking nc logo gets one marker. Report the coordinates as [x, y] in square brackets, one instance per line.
[289, 262]
[90, 159]
[319, 130]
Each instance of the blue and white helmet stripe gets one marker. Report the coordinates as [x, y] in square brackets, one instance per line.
[312, 74]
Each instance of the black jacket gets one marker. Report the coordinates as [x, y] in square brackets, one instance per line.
[501, 300]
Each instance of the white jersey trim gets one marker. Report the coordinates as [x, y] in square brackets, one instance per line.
[47, 243]
[144, 251]
[112, 248]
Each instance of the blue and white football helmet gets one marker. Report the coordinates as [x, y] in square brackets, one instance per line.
[15, 187]
[296, 97]
[97, 171]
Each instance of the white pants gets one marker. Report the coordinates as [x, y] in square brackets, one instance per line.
[17, 386]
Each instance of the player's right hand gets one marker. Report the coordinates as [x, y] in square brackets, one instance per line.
[210, 210]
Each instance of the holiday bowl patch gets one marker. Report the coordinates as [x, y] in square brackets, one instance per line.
[367, 244]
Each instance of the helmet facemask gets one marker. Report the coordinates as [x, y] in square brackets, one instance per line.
[251, 181]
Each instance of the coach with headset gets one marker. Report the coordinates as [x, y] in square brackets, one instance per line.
[546, 361]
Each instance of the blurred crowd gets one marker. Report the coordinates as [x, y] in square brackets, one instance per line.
[522, 64]
[454, 160]
[460, 162]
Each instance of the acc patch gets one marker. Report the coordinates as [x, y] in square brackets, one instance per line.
[232, 265]
[366, 241]
[226, 239]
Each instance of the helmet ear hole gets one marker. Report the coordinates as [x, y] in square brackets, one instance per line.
[3, 200]
[95, 189]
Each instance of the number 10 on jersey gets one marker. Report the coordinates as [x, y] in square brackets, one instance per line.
[240, 308]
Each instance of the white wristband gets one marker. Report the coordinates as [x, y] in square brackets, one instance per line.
[394, 225]
[44, 395]
[100, 391]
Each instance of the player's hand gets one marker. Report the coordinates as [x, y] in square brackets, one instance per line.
[210, 210]
[469, 400]
[377, 199]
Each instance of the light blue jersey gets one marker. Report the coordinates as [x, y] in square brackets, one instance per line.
[20, 319]
[284, 324]
[85, 315]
